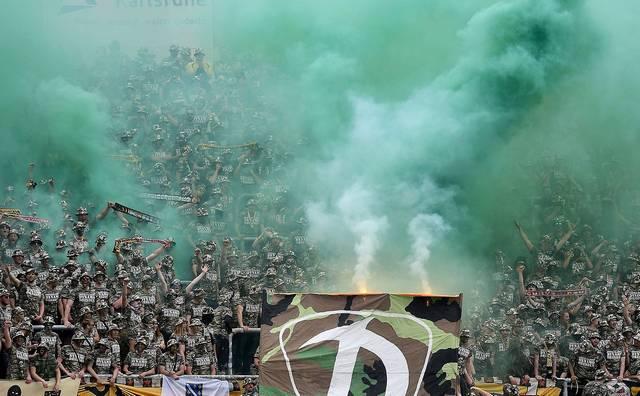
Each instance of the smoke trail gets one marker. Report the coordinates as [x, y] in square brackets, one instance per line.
[355, 208]
[424, 230]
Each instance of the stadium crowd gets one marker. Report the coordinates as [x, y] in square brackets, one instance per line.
[191, 137]
[199, 143]
[568, 308]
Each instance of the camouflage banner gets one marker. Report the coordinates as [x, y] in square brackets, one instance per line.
[373, 344]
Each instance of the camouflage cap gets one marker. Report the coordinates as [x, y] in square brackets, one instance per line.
[172, 342]
[78, 336]
[195, 322]
[594, 334]
[85, 310]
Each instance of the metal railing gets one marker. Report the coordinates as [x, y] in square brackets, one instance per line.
[237, 330]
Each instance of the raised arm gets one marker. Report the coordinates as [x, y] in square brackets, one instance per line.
[525, 238]
[163, 282]
[103, 213]
[565, 237]
[197, 279]
[156, 253]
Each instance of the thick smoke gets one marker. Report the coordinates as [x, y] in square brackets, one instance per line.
[508, 55]
[415, 127]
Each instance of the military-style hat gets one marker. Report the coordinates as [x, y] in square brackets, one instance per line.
[85, 310]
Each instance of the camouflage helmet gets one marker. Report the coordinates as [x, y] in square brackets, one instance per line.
[78, 336]
[575, 329]
[167, 261]
[210, 245]
[104, 342]
[42, 345]
[585, 346]
[550, 339]
[594, 334]
[85, 310]
[271, 271]
[201, 212]
[255, 289]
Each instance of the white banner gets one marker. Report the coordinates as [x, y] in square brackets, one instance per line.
[194, 386]
[154, 24]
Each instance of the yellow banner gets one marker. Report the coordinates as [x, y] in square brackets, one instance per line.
[68, 387]
[124, 390]
[497, 388]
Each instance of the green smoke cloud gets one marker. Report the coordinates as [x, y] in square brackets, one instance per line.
[400, 104]
[414, 125]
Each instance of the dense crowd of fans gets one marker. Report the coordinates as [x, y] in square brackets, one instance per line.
[199, 140]
[196, 139]
[568, 308]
